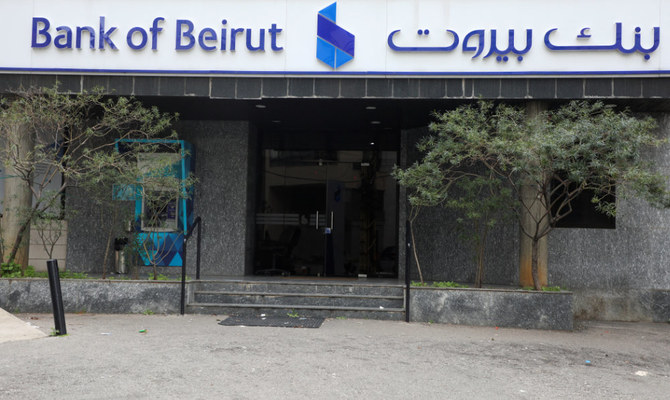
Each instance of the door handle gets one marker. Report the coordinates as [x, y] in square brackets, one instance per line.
[331, 220]
[317, 220]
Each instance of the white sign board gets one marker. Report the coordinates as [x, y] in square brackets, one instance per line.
[344, 38]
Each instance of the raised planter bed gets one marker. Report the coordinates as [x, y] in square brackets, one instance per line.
[91, 295]
[465, 306]
[492, 307]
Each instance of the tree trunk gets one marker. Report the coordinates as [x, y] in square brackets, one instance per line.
[533, 251]
[108, 246]
[480, 267]
[19, 250]
[481, 251]
[416, 256]
[537, 284]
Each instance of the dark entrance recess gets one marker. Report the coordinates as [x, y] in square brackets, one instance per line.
[327, 205]
[585, 215]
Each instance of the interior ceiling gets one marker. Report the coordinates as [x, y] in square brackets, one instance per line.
[295, 115]
[312, 114]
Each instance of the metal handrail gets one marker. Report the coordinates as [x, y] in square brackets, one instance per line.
[187, 236]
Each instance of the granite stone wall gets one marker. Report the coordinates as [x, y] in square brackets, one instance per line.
[621, 273]
[223, 199]
[223, 195]
[90, 227]
[444, 255]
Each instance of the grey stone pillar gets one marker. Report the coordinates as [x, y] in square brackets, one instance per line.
[225, 170]
[17, 200]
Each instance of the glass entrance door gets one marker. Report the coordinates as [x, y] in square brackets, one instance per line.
[290, 224]
[327, 213]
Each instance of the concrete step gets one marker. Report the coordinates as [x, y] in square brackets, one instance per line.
[316, 299]
[309, 298]
[397, 314]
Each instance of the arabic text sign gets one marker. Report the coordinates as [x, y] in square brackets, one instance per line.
[284, 37]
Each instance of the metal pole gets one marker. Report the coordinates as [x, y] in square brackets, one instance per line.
[56, 298]
[197, 256]
[408, 247]
[183, 280]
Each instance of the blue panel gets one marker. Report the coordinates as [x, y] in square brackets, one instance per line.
[141, 239]
[176, 241]
[330, 12]
[188, 167]
[342, 58]
[325, 52]
[124, 192]
[176, 260]
[138, 208]
[333, 34]
[165, 248]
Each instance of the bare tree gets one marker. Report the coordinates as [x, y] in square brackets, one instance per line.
[74, 140]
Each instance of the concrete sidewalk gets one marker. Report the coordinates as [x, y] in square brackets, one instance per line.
[193, 357]
[12, 328]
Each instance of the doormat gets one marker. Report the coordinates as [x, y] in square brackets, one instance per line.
[276, 322]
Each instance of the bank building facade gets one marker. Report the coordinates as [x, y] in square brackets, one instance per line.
[295, 112]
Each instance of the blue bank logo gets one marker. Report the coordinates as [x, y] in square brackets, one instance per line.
[334, 45]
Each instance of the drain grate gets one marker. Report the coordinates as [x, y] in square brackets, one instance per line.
[280, 322]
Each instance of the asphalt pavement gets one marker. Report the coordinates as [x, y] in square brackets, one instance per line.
[193, 357]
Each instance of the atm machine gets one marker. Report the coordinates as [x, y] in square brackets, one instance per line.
[161, 224]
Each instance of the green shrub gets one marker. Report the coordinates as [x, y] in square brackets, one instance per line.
[13, 270]
[72, 275]
[10, 270]
[449, 284]
[545, 288]
[159, 277]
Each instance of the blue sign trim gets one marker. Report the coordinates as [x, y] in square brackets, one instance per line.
[331, 73]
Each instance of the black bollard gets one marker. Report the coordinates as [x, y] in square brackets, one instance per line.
[56, 297]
